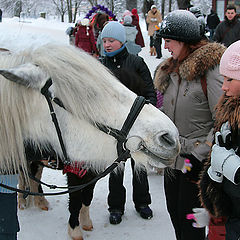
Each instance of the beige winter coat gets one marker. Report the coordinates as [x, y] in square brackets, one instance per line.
[152, 20]
[186, 104]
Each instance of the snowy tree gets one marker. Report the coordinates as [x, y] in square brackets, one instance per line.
[130, 4]
[183, 4]
[31, 8]
[205, 5]
[61, 7]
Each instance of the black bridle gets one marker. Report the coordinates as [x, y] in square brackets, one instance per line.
[119, 135]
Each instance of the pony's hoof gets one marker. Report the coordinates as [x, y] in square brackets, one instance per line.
[44, 208]
[75, 233]
[42, 203]
[87, 228]
[22, 206]
[22, 203]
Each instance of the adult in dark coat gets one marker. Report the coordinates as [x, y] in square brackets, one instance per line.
[228, 31]
[212, 22]
[125, 65]
[220, 181]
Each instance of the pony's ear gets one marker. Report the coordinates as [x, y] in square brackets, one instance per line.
[28, 74]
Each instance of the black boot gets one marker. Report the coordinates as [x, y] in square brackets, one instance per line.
[115, 217]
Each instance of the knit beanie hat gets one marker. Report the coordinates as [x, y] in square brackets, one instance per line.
[230, 61]
[153, 6]
[114, 30]
[181, 25]
[126, 12]
[85, 22]
[127, 19]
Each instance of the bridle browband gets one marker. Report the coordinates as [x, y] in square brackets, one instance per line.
[119, 135]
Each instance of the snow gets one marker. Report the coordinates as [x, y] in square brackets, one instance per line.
[52, 224]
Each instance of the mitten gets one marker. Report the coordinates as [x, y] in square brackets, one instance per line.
[200, 216]
[153, 19]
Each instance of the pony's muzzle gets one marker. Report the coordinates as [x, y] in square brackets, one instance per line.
[168, 141]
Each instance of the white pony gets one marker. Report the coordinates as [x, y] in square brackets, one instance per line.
[90, 95]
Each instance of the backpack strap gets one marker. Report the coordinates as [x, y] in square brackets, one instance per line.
[204, 85]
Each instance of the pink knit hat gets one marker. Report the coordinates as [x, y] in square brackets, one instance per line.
[230, 61]
[126, 13]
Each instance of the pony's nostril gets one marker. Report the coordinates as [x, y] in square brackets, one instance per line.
[167, 140]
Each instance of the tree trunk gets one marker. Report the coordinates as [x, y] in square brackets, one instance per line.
[170, 6]
[112, 6]
[18, 8]
[163, 8]
[62, 10]
[69, 9]
[183, 4]
[130, 4]
[75, 12]
[93, 2]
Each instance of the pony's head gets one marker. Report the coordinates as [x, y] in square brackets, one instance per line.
[91, 95]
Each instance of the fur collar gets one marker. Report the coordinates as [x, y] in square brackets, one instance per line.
[228, 109]
[196, 65]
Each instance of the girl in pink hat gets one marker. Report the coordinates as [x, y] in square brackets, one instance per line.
[220, 182]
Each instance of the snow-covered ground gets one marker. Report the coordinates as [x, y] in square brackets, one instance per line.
[41, 225]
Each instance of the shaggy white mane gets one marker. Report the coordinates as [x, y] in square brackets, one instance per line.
[83, 84]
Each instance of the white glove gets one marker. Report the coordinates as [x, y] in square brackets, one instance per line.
[223, 162]
[219, 156]
[223, 138]
[200, 216]
[153, 20]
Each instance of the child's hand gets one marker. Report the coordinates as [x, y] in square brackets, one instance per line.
[200, 216]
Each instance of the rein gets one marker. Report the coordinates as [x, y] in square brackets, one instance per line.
[119, 135]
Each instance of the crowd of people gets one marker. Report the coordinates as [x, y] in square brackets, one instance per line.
[199, 86]
[192, 82]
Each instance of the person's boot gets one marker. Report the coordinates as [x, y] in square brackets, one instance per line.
[115, 216]
[145, 212]
[159, 56]
[151, 51]
[154, 51]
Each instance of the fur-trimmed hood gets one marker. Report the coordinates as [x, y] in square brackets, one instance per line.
[196, 65]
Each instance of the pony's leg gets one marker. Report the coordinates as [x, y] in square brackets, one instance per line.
[39, 201]
[79, 203]
[85, 219]
[22, 202]
[87, 193]
[75, 204]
